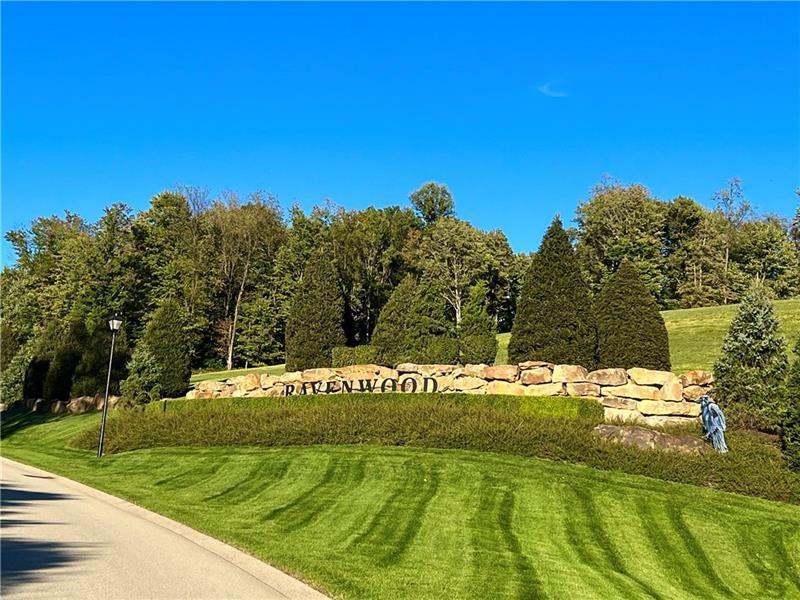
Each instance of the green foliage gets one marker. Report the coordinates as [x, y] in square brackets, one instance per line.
[476, 333]
[790, 428]
[165, 338]
[432, 201]
[145, 377]
[12, 379]
[620, 222]
[749, 375]
[260, 340]
[554, 428]
[92, 370]
[554, 321]
[344, 356]
[630, 330]
[413, 327]
[315, 321]
[58, 381]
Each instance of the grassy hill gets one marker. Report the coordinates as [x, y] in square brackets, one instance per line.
[377, 522]
[696, 334]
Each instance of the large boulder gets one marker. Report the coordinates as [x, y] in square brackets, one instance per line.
[434, 370]
[651, 376]
[211, 386]
[251, 381]
[648, 439]
[320, 374]
[266, 381]
[608, 377]
[292, 377]
[622, 415]
[631, 390]
[407, 368]
[41, 405]
[58, 407]
[655, 407]
[569, 373]
[693, 392]
[535, 364]
[501, 372]
[463, 384]
[498, 386]
[672, 391]
[583, 389]
[696, 377]
[473, 370]
[544, 389]
[81, 405]
[536, 375]
[619, 403]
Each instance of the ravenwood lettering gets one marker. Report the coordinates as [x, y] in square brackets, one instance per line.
[408, 384]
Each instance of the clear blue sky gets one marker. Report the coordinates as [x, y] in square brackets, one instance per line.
[519, 108]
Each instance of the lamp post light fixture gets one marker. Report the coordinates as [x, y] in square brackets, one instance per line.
[114, 323]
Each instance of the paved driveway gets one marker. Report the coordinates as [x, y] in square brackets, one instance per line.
[61, 539]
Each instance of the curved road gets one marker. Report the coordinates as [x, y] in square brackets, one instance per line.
[61, 539]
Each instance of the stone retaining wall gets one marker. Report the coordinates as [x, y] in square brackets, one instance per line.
[634, 395]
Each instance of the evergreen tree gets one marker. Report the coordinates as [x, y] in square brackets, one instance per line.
[790, 430]
[554, 320]
[630, 329]
[749, 374]
[477, 335]
[92, 370]
[165, 337]
[314, 326]
[145, 375]
[412, 327]
[58, 381]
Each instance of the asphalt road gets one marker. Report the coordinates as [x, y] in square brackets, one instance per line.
[61, 539]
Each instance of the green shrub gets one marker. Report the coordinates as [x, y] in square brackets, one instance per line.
[476, 333]
[504, 424]
[143, 384]
[58, 381]
[750, 373]
[554, 320]
[314, 327]
[165, 338]
[12, 380]
[412, 327]
[790, 430]
[344, 356]
[630, 329]
[92, 370]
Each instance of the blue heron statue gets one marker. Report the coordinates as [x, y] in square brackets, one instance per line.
[713, 423]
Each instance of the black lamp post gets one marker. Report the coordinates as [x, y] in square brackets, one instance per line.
[114, 324]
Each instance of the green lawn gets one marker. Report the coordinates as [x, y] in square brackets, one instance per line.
[378, 522]
[219, 375]
[696, 334]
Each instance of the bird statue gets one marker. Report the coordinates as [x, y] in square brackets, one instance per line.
[713, 423]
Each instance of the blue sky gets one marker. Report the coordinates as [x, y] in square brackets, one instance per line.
[519, 108]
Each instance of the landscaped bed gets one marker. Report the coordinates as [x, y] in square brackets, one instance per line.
[553, 428]
[395, 522]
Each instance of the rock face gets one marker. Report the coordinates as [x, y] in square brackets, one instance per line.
[640, 396]
[648, 439]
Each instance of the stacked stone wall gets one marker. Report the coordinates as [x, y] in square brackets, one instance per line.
[642, 396]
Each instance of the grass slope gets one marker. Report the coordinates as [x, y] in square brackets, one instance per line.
[696, 334]
[369, 522]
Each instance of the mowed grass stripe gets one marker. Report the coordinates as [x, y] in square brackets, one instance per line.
[491, 525]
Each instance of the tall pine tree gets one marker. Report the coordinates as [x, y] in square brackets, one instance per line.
[790, 429]
[476, 333]
[554, 320]
[749, 375]
[630, 329]
[314, 325]
[166, 338]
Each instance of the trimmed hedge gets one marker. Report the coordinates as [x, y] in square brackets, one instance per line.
[496, 424]
[344, 356]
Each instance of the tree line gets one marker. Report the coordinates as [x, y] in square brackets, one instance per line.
[223, 276]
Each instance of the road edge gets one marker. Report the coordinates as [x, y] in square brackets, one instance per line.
[283, 583]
